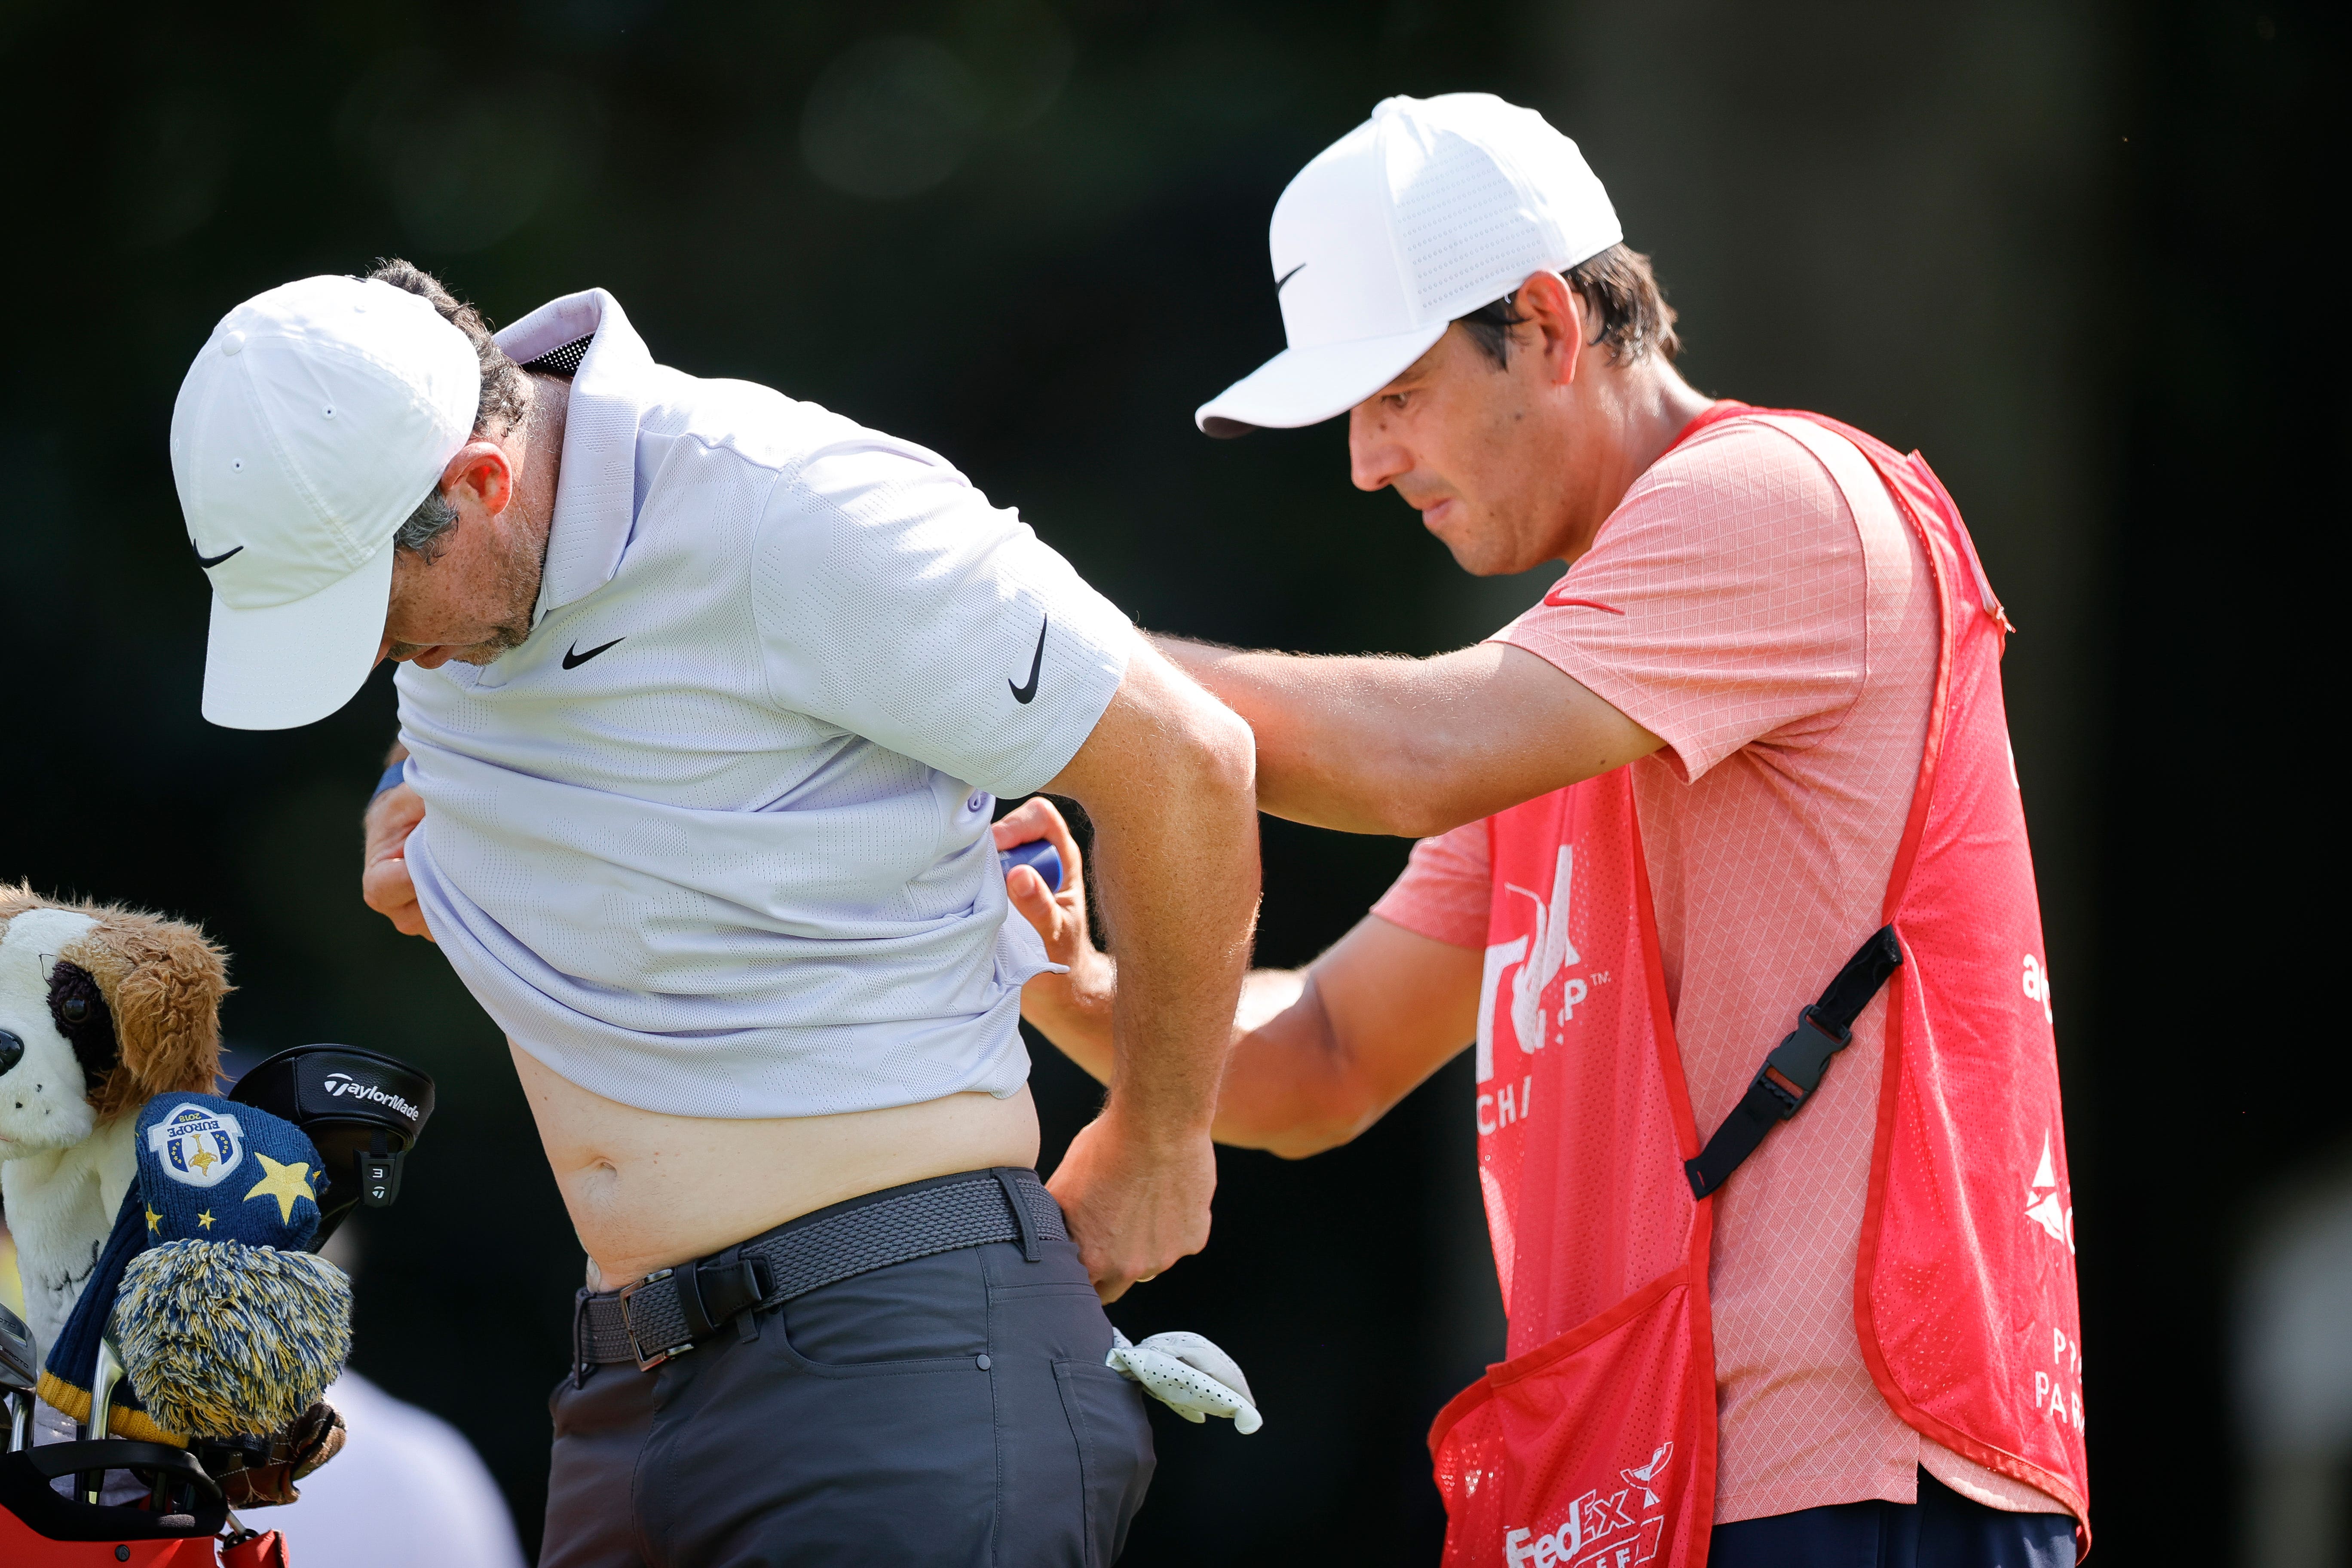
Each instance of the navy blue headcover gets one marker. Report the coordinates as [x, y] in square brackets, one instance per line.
[211, 1171]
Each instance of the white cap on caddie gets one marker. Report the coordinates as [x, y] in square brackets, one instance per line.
[315, 419]
[1429, 209]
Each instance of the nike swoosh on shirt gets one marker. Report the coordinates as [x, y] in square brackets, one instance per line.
[1288, 276]
[209, 562]
[1023, 693]
[574, 659]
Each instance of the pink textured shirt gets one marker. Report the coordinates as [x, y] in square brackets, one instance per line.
[1783, 647]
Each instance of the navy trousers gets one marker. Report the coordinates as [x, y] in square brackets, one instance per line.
[952, 1410]
[1942, 1530]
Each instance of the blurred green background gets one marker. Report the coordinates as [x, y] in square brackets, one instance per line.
[2072, 250]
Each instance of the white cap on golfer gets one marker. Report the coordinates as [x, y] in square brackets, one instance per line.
[315, 419]
[1429, 209]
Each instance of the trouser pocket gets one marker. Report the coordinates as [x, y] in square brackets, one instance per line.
[1115, 1458]
[769, 1458]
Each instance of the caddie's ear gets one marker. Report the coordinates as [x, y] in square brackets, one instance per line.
[1560, 317]
[161, 982]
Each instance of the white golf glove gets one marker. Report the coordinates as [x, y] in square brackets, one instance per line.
[1187, 1374]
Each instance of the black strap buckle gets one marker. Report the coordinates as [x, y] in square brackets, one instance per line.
[1793, 1071]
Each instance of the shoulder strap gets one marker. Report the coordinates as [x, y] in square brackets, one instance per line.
[1794, 1070]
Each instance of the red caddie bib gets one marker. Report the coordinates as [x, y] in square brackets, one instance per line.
[1592, 1445]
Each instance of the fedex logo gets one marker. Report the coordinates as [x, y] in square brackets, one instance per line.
[1600, 1531]
[1567, 1547]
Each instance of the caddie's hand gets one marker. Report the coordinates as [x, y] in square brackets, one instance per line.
[1059, 917]
[384, 884]
[1136, 1203]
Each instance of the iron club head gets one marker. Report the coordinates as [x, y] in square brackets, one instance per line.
[20, 1370]
[19, 1374]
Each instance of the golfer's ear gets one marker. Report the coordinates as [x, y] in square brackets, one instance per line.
[482, 468]
[163, 982]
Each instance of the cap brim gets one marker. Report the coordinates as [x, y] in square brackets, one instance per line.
[1307, 386]
[294, 664]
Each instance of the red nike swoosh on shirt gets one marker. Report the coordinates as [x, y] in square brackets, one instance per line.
[1561, 601]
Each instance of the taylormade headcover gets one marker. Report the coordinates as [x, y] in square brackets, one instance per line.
[228, 1326]
[1189, 1375]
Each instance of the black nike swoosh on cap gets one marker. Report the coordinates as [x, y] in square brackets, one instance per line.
[1288, 276]
[574, 659]
[209, 562]
[1023, 693]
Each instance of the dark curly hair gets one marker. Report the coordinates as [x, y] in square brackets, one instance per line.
[1636, 319]
[504, 400]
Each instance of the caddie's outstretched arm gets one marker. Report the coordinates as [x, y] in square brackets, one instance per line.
[1369, 745]
[1166, 774]
[1318, 1055]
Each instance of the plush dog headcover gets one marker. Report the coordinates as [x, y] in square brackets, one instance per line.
[139, 998]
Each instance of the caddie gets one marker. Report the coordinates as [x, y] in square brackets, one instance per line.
[1723, 868]
[706, 699]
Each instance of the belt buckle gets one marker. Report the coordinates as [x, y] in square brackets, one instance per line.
[636, 1348]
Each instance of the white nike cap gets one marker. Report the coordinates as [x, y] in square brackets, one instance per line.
[315, 419]
[1429, 209]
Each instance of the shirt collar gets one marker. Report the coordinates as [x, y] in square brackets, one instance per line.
[595, 491]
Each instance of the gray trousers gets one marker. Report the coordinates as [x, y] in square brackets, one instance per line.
[952, 1410]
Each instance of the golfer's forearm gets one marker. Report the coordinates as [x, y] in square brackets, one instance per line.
[1176, 862]
[1352, 743]
[1168, 777]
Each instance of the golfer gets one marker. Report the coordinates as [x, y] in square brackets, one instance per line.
[1722, 868]
[706, 699]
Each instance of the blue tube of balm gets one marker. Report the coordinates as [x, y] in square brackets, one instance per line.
[1040, 856]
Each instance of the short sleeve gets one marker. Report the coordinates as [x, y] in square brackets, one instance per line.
[893, 601]
[1444, 892]
[1723, 603]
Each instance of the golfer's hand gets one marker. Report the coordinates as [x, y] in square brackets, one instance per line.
[1135, 1203]
[384, 885]
[1077, 1002]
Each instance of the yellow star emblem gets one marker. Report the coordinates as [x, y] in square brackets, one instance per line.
[288, 1185]
[154, 1219]
[204, 1220]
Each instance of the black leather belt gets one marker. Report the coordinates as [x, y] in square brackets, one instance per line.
[669, 1310]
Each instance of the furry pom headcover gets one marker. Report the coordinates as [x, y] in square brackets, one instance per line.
[222, 1338]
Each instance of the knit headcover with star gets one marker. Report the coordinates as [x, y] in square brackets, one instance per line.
[212, 1169]
[210, 1172]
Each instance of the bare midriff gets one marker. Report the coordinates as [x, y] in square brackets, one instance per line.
[647, 1191]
